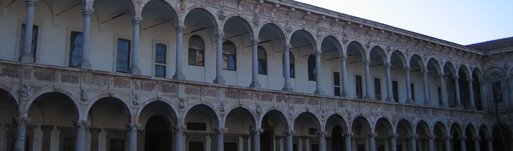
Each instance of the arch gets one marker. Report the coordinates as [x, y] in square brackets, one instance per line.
[110, 99]
[406, 124]
[380, 52]
[9, 92]
[337, 119]
[309, 116]
[399, 55]
[425, 126]
[419, 60]
[478, 74]
[279, 114]
[202, 17]
[303, 34]
[386, 122]
[472, 130]
[155, 103]
[456, 128]
[360, 120]
[239, 19]
[273, 27]
[334, 41]
[451, 67]
[355, 46]
[463, 68]
[433, 63]
[240, 114]
[157, 133]
[486, 130]
[203, 107]
[243, 108]
[161, 6]
[107, 95]
[43, 91]
[494, 73]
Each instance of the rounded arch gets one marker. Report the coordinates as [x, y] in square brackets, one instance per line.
[477, 73]
[271, 27]
[240, 120]
[334, 41]
[43, 91]
[96, 98]
[494, 73]
[440, 127]
[153, 103]
[355, 46]
[451, 67]
[377, 52]
[309, 117]
[276, 113]
[484, 128]
[425, 126]
[8, 91]
[206, 109]
[240, 20]
[245, 109]
[463, 68]
[358, 121]
[336, 119]
[433, 63]
[398, 55]
[472, 129]
[456, 128]
[417, 59]
[385, 122]
[406, 124]
[301, 33]
[157, 8]
[197, 19]
[53, 107]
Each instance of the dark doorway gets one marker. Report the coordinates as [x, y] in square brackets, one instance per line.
[158, 136]
[266, 138]
[230, 146]
[196, 146]
[336, 136]
[456, 142]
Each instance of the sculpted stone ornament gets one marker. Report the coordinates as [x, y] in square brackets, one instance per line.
[84, 95]
[289, 132]
[221, 108]
[25, 90]
[220, 130]
[181, 104]
[321, 133]
[182, 5]
[256, 20]
[291, 112]
[256, 131]
[367, 44]
[319, 33]
[288, 27]
[221, 15]
[258, 109]
[81, 123]
[344, 39]
[323, 114]
[136, 100]
[179, 128]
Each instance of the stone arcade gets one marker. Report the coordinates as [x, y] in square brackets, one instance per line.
[256, 75]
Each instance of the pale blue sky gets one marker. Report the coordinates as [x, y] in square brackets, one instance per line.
[459, 21]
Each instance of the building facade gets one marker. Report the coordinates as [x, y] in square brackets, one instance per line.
[241, 75]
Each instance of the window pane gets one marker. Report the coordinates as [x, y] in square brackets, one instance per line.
[311, 68]
[199, 57]
[192, 57]
[196, 47]
[123, 55]
[262, 61]
[160, 54]
[358, 80]
[229, 56]
[395, 91]
[160, 71]
[75, 49]
[336, 78]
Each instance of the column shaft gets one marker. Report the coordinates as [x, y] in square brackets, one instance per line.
[80, 137]
[94, 138]
[322, 141]
[179, 136]
[286, 56]
[344, 76]
[427, 100]
[254, 59]
[179, 53]
[219, 59]
[463, 145]
[471, 93]
[84, 62]
[413, 142]
[390, 90]
[288, 134]
[134, 69]
[444, 91]
[132, 135]
[318, 73]
[476, 144]
[409, 100]
[447, 144]
[29, 23]
[457, 91]
[255, 144]
[47, 137]
[367, 80]
[245, 142]
[490, 143]
[393, 142]
[220, 138]
[19, 144]
[431, 144]
[347, 140]
[372, 141]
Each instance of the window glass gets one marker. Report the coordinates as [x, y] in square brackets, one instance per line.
[196, 51]
[395, 91]
[160, 60]
[262, 61]
[359, 89]
[123, 55]
[312, 73]
[75, 47]
[229, 56]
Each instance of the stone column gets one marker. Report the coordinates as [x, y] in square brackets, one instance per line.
[87, 13]
[444, 91]
[427, 100]
[94, 138]
[413, 141]
[132, 135]
[255, 139]
[318, 74]
[254, 59]
[213, 142]
[80, 137]
[47, 139]
[447, 143]
[134, 69]
[29, 23]
[462, 140]
[303, 143]
[219, 58]
[347, 140]
[476, 143]
[471, 92]
[490, 143]
[457, 89]
[343, 59]
[390, 90]
[277, 139]
[288, 134]
[322, 140]
[431, 145]
[179, 52]
[393, 142]
[367, 80]
[220, 138]
[245, 142]
[179, 129]
[372, 141]
[286, 56]
[409, 100]
[19, 144]
[328, 143]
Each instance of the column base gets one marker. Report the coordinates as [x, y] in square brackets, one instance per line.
[219, 80]
[287, 88]
[85, 65]
[366, 97]
[473, 108]
[427, 103]
[135, 71]
[390, 99]
[27, 59]
[459, 106]
[344, 94]
[445, 105]
[255, 84]
[319, 92]
[409, 101]
[179, 76]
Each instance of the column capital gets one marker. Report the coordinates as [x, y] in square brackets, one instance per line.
[456, 77]
[277, 137]
[287, 46]
[425, 71]
[179, 128]
[256, 131]
[81, 123]
[254, 41]
[220, 130]
[219, 36]
[317, 52]
[95, 130]
[47, 127]
[87, 12]
[476, 138]
[408, 68]
[441, 74]
[31, 3]
[136, 21]
[430, 136]
[394, 135]
[321, 133]
[289, 132]
[463, 138]
[388, 64]
[132, 126]
[21, 120]
[347, 134]
[366, 61]
[447, 137]
[470, 80]
[413, 136]
[179, 28]
[343, 57]
[245, 137]
[372, 135]
[489, 138]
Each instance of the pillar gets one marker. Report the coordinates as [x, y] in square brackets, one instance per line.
[462, 140]
[476, 143]
[213, 142]
[179, 129]
[134, 69]
[245, 139]
[94, 138]
[303, 143]
[286, 56]
[347, 140]
[29, 23]
[390, 90]
[367, 80]
[343, 59]
[19, 144]
[47, 137]
[427, 100]
[219, 58]
[409, 100]
[288, 134]
[457, 91]
[220, 138]
[490, 143]
[328, 143]
[413, 141]
[80, 137]
[372, 141]
[444, 91]
[87, 13]
[447, 143]
[393, 142]
[431, 144]
[277, 143]
[255, 140]
[471, 93]
[318, 74]
[179, 53]
[254, 60]
[132, 135]
[322, 140]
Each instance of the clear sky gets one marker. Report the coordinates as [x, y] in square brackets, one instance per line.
[459, 21]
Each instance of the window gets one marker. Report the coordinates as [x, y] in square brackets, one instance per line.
[358, 80]
[262, 61]
[395, 92]
[497, 92]
[196, 51]
[68, 144]
[34, 40]
[292, 75]
[377, 88]
[439, 95]
[160, 60]
[75, 49]
[123, 57]
[412, 86]
[312, 73]
[117, 144]
[229, 56]
[336, 83]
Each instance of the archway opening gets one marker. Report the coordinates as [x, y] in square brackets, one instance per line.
[336, 138]
[469, 142]
[158, 134]
[502, 138]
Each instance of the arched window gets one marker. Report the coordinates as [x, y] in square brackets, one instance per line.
[229, 56]
[262, 61]
[312, 76]
[291, 56]
[196, 51]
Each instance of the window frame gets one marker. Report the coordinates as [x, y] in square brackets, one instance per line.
[260, 66]
[116, 54]
[312, 68]
[395, 90]
[70, 50]
[229, 56]
[156, 63]
[377, 88]
[336, 77]
[196, 52]
[358, 86]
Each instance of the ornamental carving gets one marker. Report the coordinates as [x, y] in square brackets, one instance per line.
[288, 27]
[221, 15]
[323, 114]
[258, 109]
[221, 108]
[148, 86]
[25, 90]
[231, 94]
[121, 83]
[256, 20]
[291, 113]
[136, 100]
[181, 104]
[69, 78]
[212, 92]
[99, 81]
[44, 76]
[266, 97]
[192, 90]
[84, 95]
[10, 72]
[169, 88]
